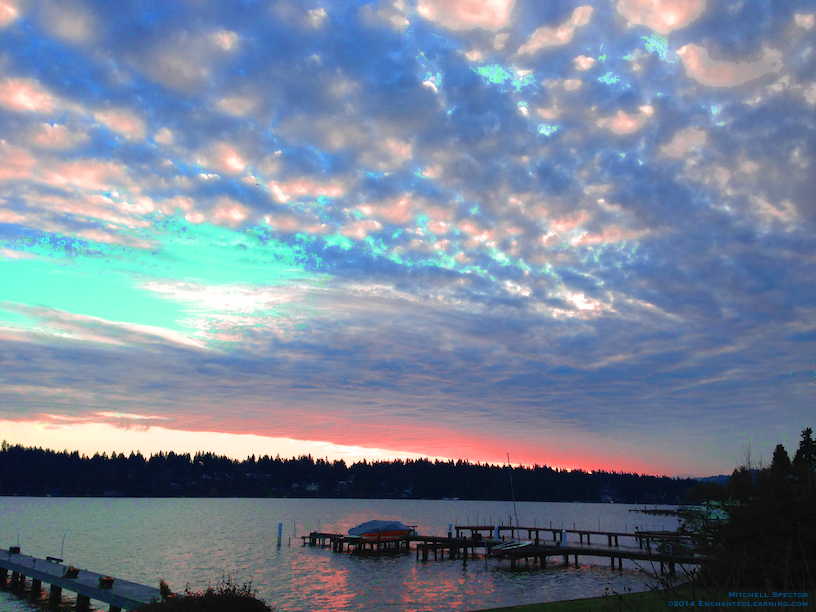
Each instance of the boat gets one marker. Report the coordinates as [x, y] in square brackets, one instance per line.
[511, 546]
[381, 531]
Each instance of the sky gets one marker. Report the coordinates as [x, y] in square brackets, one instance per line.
[579, 232]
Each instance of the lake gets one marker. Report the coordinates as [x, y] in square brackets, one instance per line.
[196, 541]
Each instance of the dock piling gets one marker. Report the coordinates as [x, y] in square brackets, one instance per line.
[54, 596]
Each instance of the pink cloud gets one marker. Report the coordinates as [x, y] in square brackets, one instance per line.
[9, 216]
[285, 223]
[490, 15]
[662, 16]
[25, 95]
[15, 163]
[224, 39]
[700, 67]
[229, 212]
[804, 20]
[623, 123]
[122, 121]
[397, 211]
[550, 37]
[8, 12]
[240, 106]
[89, 174]
[169, 207]
[224, 158]
[360, 229]
[565, 224]
[299, 188]
[438, 227]
[57, 136]
[582, 62]
[684, 141]
[609, 235]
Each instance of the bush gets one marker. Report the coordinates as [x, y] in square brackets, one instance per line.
[226, 596]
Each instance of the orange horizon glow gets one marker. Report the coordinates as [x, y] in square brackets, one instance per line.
[98, 438]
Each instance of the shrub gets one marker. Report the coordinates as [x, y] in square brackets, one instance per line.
[226, 596]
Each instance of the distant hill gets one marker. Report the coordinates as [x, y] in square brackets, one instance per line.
[724, 478]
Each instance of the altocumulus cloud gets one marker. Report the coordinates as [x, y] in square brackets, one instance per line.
[435, 227]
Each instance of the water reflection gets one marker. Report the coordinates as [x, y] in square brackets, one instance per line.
[197, 541]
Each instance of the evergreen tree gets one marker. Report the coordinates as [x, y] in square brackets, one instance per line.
[781, 463]
[805, 457]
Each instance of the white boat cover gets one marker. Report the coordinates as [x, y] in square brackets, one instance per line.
[374, 526]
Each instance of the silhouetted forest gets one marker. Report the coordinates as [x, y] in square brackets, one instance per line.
[39, 472]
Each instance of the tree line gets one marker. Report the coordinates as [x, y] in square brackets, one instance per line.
[35, 471]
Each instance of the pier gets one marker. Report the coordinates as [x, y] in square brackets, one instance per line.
[120, 594]
[462, 547]
[643, 538]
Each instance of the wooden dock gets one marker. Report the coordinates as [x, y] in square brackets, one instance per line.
[644, 539]
[122, 595]
[542, 553]
[463, 547]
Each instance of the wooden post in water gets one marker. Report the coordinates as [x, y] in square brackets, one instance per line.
[83, 603]
[54, 596]
[280, 532]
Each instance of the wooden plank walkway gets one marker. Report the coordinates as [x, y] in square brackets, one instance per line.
[123, 595]
[542, 553]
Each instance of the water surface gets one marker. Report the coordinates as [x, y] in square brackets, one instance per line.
[197, 541]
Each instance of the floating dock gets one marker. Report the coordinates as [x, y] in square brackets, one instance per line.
[122, 594]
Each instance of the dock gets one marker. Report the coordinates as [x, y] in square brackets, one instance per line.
[121, 595]
[542, 553]
[462, 547]
[644, 539]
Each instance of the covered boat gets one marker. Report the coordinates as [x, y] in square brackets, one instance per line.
[382, 531]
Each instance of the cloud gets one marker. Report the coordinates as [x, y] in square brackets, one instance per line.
[224, 39]
[25, 95]
[551, 37]
[582, 62]
[8, 12]
[124, 122]
[662, 16]
[15, 163]
[624, 123]
[70, 21]
[239, 106]
[491, 15]
[805, 20]
[684, 142]
[57, 136]
[700, 67]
